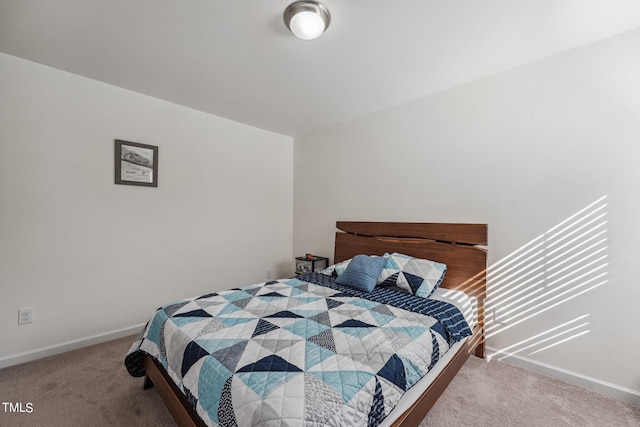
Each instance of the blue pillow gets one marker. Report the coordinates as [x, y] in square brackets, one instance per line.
[362, 272]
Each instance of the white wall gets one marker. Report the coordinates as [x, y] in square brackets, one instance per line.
[522, 151]
[94, 257]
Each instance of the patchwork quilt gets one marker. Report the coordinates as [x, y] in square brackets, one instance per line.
[298, 352]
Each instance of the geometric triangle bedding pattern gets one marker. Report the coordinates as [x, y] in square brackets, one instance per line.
[416, 276]
[291, 352]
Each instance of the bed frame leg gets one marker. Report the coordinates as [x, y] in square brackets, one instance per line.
[147, 383]
[480, 352]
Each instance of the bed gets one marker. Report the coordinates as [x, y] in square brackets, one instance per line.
[439, 341]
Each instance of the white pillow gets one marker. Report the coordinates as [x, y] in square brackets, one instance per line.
[336, 269]
[415, 275]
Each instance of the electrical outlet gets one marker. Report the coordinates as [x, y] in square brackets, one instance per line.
[500, 316]
[25, 315]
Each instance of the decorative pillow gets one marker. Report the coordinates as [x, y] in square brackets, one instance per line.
[336, 269]
[362, 272]
[415, 275]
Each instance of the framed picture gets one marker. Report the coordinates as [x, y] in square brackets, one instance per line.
[136, 164]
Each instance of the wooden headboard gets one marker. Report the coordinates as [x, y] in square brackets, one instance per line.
[456, 245]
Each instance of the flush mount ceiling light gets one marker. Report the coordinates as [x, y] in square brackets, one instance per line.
[307, 20]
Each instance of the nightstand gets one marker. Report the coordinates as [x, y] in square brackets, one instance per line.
[311, 263]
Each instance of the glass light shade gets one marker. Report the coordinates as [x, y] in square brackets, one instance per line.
[307, 25]
[307, 19]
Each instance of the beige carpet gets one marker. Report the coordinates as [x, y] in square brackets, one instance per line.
[90, 387]
[499, 394]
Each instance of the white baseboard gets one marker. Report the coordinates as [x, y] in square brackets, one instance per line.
[604, 387]
[39, 353]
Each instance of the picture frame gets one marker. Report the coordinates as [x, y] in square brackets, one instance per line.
[136, 164]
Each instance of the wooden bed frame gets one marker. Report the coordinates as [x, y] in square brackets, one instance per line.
[456, 245]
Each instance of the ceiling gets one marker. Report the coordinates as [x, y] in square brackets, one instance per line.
[236, 59]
